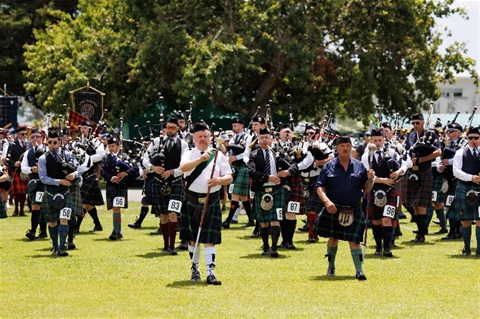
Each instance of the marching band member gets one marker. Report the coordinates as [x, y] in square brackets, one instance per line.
[18, 189]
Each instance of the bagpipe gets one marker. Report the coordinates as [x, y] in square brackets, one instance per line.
[424, 145]
[323, 140]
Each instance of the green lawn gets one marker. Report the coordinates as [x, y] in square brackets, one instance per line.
[129, 278]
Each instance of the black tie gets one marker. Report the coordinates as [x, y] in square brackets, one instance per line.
[379, 153]
[267, 163]
[474, 152]
[170, 145]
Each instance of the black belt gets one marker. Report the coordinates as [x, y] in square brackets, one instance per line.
[347, 206]
[199, 198]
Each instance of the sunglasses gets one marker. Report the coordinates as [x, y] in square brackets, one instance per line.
[473, 137]
[310, 133]
[36, 136]
[22, 134]
[52, 142]
[416, 123]
[171, 128]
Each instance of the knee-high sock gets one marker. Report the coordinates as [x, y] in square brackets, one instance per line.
[275, 232]
[264, 234]
[377, 235]
[428, 218]
[164, 228]
[43, 228]
[477, 235]
[331, 254]
[117, 219]
[441, 218]
[80, 219]
[34, 220]
[387, 232]
[248, 209]
[421, 221]
[233, 209]
[209, 253]
[142, 215]
[283, 231]
[195, 259]
[357, 257]
[172, 233]
[62, 232]
[22, 202]
[290, 228]
[311, 218]
[467, 236]
[54, 235]
[94, 214]
[71, 228]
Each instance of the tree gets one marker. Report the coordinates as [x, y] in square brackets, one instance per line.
[331, 56]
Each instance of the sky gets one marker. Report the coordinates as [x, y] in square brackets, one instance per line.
[462, 30]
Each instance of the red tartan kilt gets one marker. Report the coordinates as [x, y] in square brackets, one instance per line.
[18, 187]
[298, 192]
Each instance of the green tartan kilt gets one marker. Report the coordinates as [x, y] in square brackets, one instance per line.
[39, 187]
[90, 191]
[77, 197]
[437, 186]
[115, 191]
[462, 210]
[241, 183]
[158, 202]
[211, 228]
[48, 213]
[271, 215]
[451, 211]
[327, 225]
[3, 210]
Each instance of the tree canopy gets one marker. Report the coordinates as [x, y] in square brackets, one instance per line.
[331, 56]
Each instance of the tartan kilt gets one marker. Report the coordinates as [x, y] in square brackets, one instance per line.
[327, 225]
[40, 187]
[375, 212]
[19, 187]
[271, 215]
[313, 202]
[211, 230]
[90, 191]
[241, 183]
[48, 213]
[115, 191]
[461, 210]
[3, 210]
[423, 195]
[451, 212]
[77, 197]
[298, 192]
[160, 203]
[437, 186]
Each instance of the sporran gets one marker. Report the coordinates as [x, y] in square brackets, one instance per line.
[345, 217]
[267, 202]
[471, 198]
[58, 201]
[380, 198]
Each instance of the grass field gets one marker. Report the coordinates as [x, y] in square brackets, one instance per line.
[129, 278]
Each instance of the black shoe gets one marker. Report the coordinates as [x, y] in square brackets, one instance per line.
[71, 246]
[331, 272]
[60, 253]
[449, 237]
[255, 234]
[42, 235]
[466, 252]
[135, 225]
[387, 253]
[266, 252]
[305, 228]
[441, 231]
[457, 236]
[183, 245]
[312, 239]
[477, 253]
[378, 251]
[419, 239]
[30, 235]
[76, 231]
[290, 246]
[15, 213]
[401, 215]
[157, 232]
[226, 224]
[98, 228]
[273, 253]
[234, 222]
[173, 251]
[360, 276]
[195, 275]
[250, 224]
[165, 251]
[22, 214]
[115, 236]
[416, 232]
[211, 280]
[436, 222]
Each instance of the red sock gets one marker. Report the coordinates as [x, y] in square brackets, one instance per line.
[311, 223]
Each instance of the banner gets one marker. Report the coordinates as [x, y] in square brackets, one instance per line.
[8, 111]
[89, 105]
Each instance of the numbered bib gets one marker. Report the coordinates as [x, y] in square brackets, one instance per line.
[434, 196]
[65, 213]
[279, 214]
[119, 202]
[293, 207]
[174, 206]
[38, 196]
[389, 211]
[449, 200]
[230, 188]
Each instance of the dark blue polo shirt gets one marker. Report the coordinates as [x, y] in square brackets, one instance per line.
[343, 187]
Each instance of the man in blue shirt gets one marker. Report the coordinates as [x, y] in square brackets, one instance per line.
[341, 185]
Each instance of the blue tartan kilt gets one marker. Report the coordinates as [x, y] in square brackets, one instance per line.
[48, 213]
[423, 195]
[115, 191]
[375, 212]
[90, 191]
[3, 210]
[451, 211]
[158, 202]
[77, 198]
[313, 202]
[32, 190]
[212, 224]
[437, 186]
[241, 183]
[461, 209]
[327, 225]
[272, 215]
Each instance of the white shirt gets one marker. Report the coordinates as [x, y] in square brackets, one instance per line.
[458, 164]
[152, 149]
[199, 185]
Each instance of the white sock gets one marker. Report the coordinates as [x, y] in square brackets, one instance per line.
[195, 258]
[210, 259]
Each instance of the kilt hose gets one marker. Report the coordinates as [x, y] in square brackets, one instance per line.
[462, 210]
[313, 202]
[375, 212]
[116, 191]
[327, 225]
[241, 183]
[158, 202]
[34, 186]
[437, 186]
[421, 196]
[90, 190]
[48, 213]
[3, 210]
[19, 186]
[212, 223]
[298, 193]
[271, 215]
